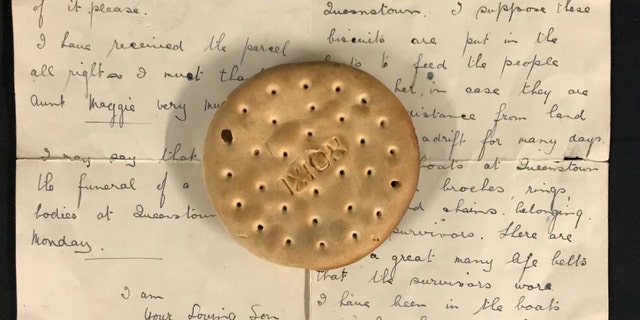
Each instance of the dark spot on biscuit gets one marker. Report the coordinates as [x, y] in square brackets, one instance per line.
[226, 136]
[395, 183]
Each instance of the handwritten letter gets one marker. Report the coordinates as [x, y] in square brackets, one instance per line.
[510, 101]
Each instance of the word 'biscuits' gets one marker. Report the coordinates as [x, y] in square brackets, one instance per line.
[311, 165]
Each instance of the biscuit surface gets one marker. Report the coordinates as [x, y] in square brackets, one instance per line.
[311, 165]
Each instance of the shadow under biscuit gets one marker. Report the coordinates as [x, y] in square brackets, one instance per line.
[210, 84]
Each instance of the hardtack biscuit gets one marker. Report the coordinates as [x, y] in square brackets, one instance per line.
[311, 165]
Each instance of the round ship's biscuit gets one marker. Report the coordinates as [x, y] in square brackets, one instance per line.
[311, 165]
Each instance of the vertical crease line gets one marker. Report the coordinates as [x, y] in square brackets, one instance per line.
[307, 294]
[310, 24]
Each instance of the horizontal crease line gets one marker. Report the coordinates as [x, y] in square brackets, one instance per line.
[519, 160]
[81, 158]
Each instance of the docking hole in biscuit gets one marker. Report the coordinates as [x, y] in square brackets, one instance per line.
[311, 165]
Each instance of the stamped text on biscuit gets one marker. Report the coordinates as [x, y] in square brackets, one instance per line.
[312, 163]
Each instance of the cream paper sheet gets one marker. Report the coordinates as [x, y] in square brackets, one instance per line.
[511, 106]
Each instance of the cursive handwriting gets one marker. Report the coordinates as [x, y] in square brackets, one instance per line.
[108, 186]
